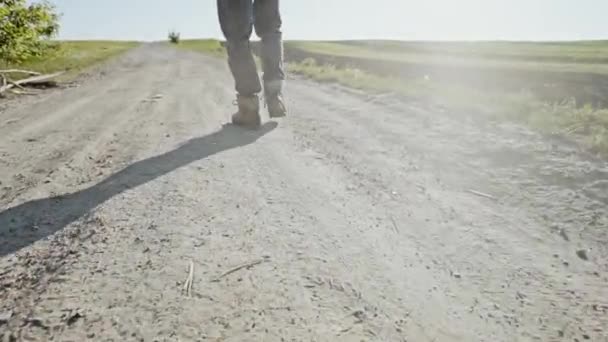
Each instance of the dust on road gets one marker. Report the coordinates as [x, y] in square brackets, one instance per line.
[356, 218]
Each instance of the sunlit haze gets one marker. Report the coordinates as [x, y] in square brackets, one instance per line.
[347, 19]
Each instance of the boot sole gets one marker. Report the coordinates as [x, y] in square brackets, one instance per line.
[255, 124]
[275, 115]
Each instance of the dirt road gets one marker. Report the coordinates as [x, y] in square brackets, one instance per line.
[357, 218]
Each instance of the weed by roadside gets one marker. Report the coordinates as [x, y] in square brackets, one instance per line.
[174, 37]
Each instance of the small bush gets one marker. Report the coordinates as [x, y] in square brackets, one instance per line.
[174, 37]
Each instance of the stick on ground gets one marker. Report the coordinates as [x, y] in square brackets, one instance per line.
[23, 92]
[189, 280]
[395, 226]
[475, 192]
[238, 268]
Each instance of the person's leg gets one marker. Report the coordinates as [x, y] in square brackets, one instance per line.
[267, 20]
[236, 21]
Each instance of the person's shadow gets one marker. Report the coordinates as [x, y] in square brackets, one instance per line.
[27, 223]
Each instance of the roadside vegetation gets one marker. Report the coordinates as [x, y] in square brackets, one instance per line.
[27, 30]
[71, 56]
[557, 88]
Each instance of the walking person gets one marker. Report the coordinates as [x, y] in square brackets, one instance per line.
[237, 20]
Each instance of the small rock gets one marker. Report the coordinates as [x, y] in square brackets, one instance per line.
[586, 337]
[5, 316]
[359, 314]
[35, 322]
[74, 318]
[564, 235]
[581, 253]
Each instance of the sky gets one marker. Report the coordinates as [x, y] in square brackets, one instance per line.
[346, 19]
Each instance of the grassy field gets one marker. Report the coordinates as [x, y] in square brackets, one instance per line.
[559, 57]
[557, 88]
[73, 56]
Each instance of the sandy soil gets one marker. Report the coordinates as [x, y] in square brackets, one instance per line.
[357, 218]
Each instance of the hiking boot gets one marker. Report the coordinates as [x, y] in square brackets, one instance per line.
[249, 111]
[276, 106]
[274, 98]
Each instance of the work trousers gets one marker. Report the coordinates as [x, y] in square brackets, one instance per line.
[237, 19]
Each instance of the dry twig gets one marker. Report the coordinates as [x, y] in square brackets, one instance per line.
[189, 280]
[238, 268]
[475, 192]
[395, 226]
[23, 92]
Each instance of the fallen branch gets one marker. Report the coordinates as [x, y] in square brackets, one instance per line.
[474, 192]
[238, 268]
[17, 85]
[189, 280]
[23, 92]
[19, 71]
[31, 80]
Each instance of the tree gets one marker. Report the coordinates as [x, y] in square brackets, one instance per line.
[24, 29]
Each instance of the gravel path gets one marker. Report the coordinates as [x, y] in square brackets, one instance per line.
[357, 218]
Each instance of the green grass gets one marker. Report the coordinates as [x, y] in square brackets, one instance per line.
[579, 52]
[73, 56]
[585, 124]
[208, 46]
[589, 57]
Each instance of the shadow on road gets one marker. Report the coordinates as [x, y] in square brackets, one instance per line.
[23, 225]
